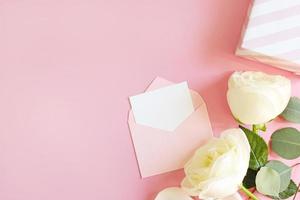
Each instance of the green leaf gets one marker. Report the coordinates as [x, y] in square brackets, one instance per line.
[249, 180]
[259, 149]
[289, 191]
[284, 172]
[273, 178]
[286, 143]
[268, 182]
[292, 111]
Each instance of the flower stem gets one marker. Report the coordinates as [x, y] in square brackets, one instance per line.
[248, 193]
[259, 127]
[255, 129]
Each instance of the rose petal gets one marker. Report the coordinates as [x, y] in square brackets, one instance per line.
[173, 193]
[236, 196]
[219, 187]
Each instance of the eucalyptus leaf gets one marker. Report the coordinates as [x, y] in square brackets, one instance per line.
[283, 170]
[273, 178]
[259, 149]
[289, 191]
[292, 111]
[249, 180]
[268, 182]
[286, 143]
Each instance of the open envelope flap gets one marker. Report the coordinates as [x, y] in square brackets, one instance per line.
[160, 151]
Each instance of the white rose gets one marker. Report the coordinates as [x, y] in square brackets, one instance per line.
[218, 168]
[175, 193]
[256, 97]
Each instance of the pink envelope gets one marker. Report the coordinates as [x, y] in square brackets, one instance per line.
[158, 151]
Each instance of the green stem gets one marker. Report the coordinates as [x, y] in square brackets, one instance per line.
[296, 192]
[294, 165]
[248, 193]
[259, 127]
[255, 129]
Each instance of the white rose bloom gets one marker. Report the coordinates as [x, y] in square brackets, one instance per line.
[256, 97]
[173, 193]
[218, 168]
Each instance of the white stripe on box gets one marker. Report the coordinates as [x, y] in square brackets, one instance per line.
[280, 47]
[261, 1]
[296, 61]
[270, 28]
[291, 55]
[273, 38]
[272, 6]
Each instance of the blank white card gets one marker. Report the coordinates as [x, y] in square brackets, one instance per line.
[164, 108]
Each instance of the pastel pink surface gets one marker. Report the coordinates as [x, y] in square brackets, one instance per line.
[160, 151]
[67, 68]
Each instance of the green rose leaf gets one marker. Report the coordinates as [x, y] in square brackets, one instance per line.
[259, 149]
[286, 143]
[273, 178]
[292, 111]
[249, 180]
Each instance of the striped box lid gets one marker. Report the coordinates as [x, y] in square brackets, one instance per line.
[272, 34]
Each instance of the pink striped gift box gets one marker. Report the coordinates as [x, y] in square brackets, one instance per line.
[272, 34]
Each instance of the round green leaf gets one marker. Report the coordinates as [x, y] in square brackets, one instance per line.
[284, 172]
[286, 143]
[268, 182]
[292, 111]
[259, 149]
[289, 191]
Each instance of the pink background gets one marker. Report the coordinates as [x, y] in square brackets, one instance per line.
[67, 68]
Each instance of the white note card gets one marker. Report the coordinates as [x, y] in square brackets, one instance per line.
[165, 108]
